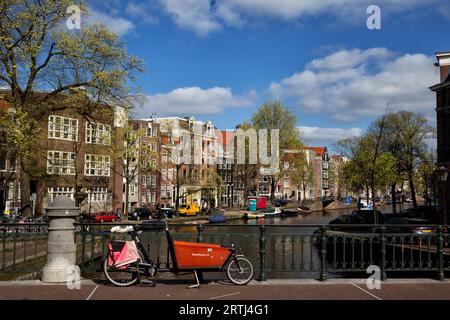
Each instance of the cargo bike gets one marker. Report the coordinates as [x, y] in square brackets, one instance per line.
[128, 261]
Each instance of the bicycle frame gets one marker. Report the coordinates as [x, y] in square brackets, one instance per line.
[186, 257]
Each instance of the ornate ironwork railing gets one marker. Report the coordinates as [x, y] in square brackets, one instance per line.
[276, 251]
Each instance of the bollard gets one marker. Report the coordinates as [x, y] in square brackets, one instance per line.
[262, 252]
[200, 229]
[61, 248]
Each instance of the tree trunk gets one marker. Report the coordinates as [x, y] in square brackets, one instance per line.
[272, 190]
[412, 189]
[25, 191]
[375, 213]
[393, 195]
[127, 190]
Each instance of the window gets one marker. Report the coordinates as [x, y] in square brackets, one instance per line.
[153, 181]
[2, 160]
[163, 174]
[60, 162]
[149, 132]
[98, 133]
[12, 164]
[98, 194]
[164, 157]
[62, 128]
[170, 174]
[54, 192]
[163, 189]
[96, 165]
[144, 181]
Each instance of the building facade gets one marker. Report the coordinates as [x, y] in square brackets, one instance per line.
[191, 174]
[145, 191]
[442, 91]
[73, 158]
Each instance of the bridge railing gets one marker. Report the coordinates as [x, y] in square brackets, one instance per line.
[276, 251]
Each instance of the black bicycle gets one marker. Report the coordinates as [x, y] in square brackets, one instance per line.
[186, 257]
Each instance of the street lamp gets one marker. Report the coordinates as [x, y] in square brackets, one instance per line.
[443, 175]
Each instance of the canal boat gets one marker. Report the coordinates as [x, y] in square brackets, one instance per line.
[195, 222]
[254, 215]
[289, 212]
[218, 218]
[303, 210]
[271, 212]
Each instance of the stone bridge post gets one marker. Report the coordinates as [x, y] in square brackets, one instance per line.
[61, 247]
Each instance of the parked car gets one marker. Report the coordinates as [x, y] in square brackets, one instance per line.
[281, 202]
[140, 214]
[346, 219]
[407, 225]
[105, 216]
[163, 212]
[191, 209]
[423, 212]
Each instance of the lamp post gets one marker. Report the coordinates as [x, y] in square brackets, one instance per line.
[443, 175]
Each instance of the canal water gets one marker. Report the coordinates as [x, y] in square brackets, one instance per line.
[290, 251]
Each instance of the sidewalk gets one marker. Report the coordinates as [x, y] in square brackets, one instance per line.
[336, 289]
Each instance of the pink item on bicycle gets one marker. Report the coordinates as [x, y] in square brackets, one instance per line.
[122, 253]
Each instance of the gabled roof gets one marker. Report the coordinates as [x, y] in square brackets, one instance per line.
[226, 138]
[321, 151]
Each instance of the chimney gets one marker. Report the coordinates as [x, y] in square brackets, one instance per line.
[444, 65]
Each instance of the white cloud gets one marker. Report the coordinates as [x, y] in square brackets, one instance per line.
[142, 12]
[206, 16]
[193, 100]
[350, 85]
[316, 136]
[192, 14]
[117, 24]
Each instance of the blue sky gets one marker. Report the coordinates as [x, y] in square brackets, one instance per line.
[219, 60]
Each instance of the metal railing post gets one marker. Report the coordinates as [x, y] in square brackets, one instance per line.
[262, 252]
[200, 229]
[383, 252]
[323, 254]
[440, 251]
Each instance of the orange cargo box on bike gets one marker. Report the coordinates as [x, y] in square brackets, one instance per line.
[191, 255]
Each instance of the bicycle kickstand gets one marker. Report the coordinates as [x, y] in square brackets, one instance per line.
[196, 279]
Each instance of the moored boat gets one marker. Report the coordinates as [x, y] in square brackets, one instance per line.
[271, 212]
[303, 209]
[254, 215]
[289, 212]
[217, 218]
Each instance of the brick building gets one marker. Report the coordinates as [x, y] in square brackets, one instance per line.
[145, 191]
[442, 91]
[73, 159]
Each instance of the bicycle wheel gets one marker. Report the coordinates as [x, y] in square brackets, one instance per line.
[120, 278]
[240, 270]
